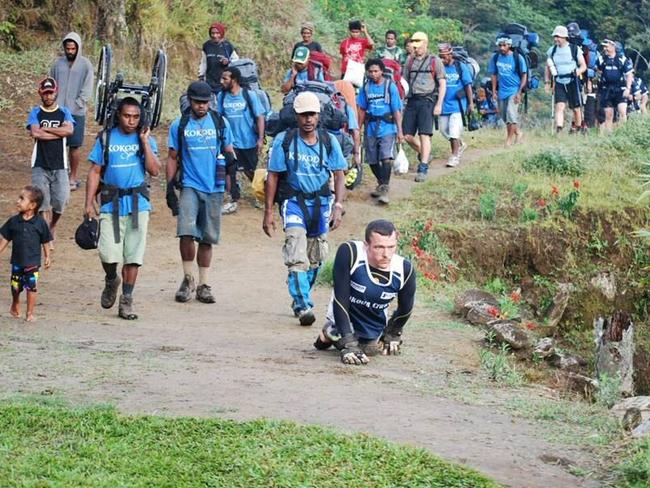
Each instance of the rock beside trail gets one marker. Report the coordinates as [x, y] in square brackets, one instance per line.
[643, 430]
[507, 331]
[632, 419]
[481, 314]
[560, 301]
[641, 403]
[472, 298]
[566, 362]
[545, 347]
[581, 384]
[605, 283]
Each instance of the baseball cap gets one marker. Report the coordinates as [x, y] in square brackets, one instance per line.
[301, 55]
[419, 37]
[199, 91]
[87, 234]
[445, 48]
[561, 31]
[47, 85]
[306, 102]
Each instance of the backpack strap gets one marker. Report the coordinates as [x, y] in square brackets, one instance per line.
[249, 101]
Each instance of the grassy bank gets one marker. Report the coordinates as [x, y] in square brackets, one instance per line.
[60, 446]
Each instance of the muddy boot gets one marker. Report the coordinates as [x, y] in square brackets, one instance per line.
[184, 293]
[383, 197]
[204, 294]
[126, 308]
[109, 295]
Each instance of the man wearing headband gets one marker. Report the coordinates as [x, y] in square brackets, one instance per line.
[509, 77]
[216, 55]
[307, 32]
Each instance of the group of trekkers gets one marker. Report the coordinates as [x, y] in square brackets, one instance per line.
[392, 96]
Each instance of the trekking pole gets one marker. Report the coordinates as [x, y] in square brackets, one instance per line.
[579, 94]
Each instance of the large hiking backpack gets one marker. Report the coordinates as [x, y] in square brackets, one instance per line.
[319, 63]
[580, 37]
[462, 56]
[332, 105]
[250, 80]
[393, 72]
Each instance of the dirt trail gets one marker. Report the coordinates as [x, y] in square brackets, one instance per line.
[246, 357]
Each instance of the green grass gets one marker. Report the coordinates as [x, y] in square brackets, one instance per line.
[46, 444]
[635, 471]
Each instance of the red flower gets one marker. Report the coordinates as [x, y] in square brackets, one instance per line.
[576, 184]
[555, 191]
[493, 311]
[515, 296]
[430, 276]
[531, 326]
[541, 202]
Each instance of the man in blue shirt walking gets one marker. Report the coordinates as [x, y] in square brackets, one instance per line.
[243, 110]
[455, 104]
[509, 78]
[380, 109]
[298, 179]
[195, 142]
[121, 157]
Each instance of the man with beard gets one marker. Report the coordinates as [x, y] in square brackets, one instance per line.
[217, 53]
[74, 76]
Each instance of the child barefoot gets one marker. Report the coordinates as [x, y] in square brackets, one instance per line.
[29, 233]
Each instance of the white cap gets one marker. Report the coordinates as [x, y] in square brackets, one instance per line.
[561, 31]
[306, 102]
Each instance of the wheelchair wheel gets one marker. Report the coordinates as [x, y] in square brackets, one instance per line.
[158, 80]
[103, 83]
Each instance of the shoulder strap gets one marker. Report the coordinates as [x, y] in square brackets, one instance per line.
[220, 126]
[249, 102]
[290, 136]
[185, 118]
[220, 97]
[326, 141]
[517, 63]
[574, 53]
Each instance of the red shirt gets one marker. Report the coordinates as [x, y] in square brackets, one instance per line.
[354, 49]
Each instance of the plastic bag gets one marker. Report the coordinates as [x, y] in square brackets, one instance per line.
[401, 163]
[259, 181]
[355, 73]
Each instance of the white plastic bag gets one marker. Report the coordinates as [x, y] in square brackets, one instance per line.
[354, 73]
[401, 163]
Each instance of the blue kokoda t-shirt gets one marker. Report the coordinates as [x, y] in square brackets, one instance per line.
[125, 167]
[310, 174]
[372, 99]
[456, 83]
[507, 76]
[238, 113]
[201, 148]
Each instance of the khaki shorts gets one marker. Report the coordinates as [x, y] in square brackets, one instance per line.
[130, 249]
[300, 252]
[509, 110]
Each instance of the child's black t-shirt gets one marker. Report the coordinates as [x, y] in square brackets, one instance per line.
[27, 237]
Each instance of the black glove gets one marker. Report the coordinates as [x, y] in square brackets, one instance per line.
[172, 198]
[392, 339]
[350, 351]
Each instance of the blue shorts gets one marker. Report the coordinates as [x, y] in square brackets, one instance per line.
[24, 278]
[292, 215]
[77, 137]
[199, 215]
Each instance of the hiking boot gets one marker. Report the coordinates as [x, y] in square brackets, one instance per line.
[126, 308]
[383, 196]
[376, 193]
[109, 294]
[422, 172]
[463, 147]
[229, 208]
[184, 293]
[204, 294]
[306, 316]
[453, 161]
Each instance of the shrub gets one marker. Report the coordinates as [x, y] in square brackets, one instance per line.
[487, 204]
[498, 367]
[554, 162]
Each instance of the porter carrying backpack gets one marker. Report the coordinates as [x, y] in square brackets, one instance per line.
[250, 81]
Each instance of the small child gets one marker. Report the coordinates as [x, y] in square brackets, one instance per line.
[29, 233]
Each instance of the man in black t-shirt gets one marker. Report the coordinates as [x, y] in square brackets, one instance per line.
[50, 125]
[307, 33]
[217, 53]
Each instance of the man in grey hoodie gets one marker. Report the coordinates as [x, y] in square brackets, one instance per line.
[74, 75]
